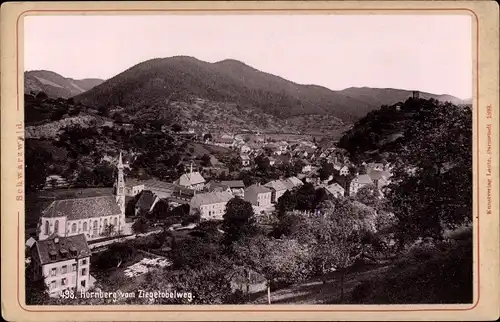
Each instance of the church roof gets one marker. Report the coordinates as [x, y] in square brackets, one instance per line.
[83, 208]
[62, 248]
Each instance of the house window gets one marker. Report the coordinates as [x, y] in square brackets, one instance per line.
[56, 226]
[84, 262]
[84, 271]
[94, 229]
[47, 231]
[53, 272]
[105, 223]
[73, 228]
[83, 283]
[84, 226]
[64, 281]
[116, 222]
[73, 268]
[64, 269]
[52, 285]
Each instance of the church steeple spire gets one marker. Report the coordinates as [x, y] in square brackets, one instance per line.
[120, 185]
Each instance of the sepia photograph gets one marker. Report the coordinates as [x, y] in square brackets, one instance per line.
[247, 159]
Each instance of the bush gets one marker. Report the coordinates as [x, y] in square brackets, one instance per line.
[361, 291]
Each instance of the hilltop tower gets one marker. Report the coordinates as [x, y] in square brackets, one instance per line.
[120, 190]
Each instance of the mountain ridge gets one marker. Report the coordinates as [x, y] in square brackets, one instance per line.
[155, 81]
[56, 85]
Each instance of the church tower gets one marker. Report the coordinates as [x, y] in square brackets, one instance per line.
[120, 186]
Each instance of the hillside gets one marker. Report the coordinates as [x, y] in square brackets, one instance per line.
[155, 85]
[383, 132]
[55, 85]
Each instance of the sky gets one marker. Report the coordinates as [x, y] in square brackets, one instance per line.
[430, 53]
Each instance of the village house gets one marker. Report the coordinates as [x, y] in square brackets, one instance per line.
[380, 178]
[212, 186]
[293, 182]
[62, 262]
[245, 160]
[211, 205]
[358, 182]
[55, 181]
[223, 142]
[344, 171]
[191, 180]
[307, 167]
[245, 149]
[258, 195]
[278, 188]
[237, 187]
[374, 167]
[335, 190]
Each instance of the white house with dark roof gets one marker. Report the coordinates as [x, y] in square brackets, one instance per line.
[278, 188]
[94, 217]
[62, 262]
[258, 195]
[211, 205]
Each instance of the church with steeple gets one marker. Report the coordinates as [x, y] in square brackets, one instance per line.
[95, 217]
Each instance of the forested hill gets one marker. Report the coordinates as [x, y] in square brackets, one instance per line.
[154, 83]
[385, 132]
[55, 85]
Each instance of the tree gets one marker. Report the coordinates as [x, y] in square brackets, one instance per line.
[140, 226]
[238, 220]
[192, 253]
[109, 229]
[325, 171]
[287, 202]
[431, 186]
[103, 111]
[208, 284]
[369, 195]
[176, 127]
[115, 255]
[161, 210]
[41, 96]
[277, 260]
[205, 159]
[305, 197]
[262, 163]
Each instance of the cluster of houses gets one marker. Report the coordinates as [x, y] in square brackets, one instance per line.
[208, 198]
[61, 256]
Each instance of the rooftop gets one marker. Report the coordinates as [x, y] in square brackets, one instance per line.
[82, 208]
[56, 249]
[209, 198]
[257, 189]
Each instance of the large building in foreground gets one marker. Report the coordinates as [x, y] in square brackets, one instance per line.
[94, 217]
[62, 262]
